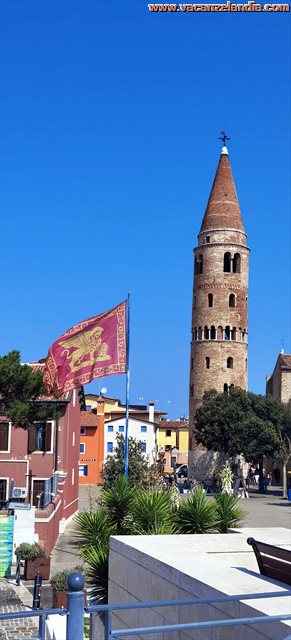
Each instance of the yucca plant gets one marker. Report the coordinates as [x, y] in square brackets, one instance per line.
[152, 513]
[96, 568]
[117, 503]
[228, 513]
[175, 496]
[197, 514]
[93, 529]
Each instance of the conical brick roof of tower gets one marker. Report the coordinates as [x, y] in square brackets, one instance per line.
[222, 211]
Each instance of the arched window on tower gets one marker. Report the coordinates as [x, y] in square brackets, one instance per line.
[195, 334]
[206, 333]
[219, 333]
[229, 363]
[207, 362]
[227, 333]
[210, 299]
[226, 262]
[231, 300]
[212, 332]
[199, 264]
[199, 333]
[236, 263]
[233, 333]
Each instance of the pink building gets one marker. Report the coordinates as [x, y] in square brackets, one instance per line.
[40, 466]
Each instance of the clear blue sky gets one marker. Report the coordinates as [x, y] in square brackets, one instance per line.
[110, 120]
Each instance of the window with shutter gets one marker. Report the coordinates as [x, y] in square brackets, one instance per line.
[32, 439]
[48, 437]
[4, 436]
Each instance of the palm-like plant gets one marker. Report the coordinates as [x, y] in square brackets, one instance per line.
[96, 559]
[117, 503]
[93, 529]
[197, 514]
[152, 513]
[228, 513]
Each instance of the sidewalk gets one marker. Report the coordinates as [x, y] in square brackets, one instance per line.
[267, 510]
[13, 598]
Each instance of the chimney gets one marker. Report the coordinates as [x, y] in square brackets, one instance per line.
[151, 411]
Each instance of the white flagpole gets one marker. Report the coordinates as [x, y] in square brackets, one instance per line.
[127, 389]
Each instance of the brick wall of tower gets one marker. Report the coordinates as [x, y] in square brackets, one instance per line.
[219, 344]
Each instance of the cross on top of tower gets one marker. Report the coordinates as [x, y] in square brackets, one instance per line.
[223, 137]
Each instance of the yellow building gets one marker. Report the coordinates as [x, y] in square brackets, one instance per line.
[173, 443]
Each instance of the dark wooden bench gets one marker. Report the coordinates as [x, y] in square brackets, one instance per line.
[273, 562]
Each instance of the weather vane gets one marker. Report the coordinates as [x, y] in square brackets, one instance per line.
[223, 137]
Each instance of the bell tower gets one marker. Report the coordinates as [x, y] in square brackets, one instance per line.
[219, 344]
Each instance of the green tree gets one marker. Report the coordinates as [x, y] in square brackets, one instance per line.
[240, 422]
[137, 464]
[21, 387]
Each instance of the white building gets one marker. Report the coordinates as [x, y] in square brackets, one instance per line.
[139, 429]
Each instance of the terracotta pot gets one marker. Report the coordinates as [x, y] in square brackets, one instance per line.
[59, 599]
[31, 568]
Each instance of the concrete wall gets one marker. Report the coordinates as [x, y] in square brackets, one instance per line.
[183, 567]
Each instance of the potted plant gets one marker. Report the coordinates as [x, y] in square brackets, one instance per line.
[59, 583]
[35, 560]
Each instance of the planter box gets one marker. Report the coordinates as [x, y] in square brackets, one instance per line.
[59, 599]
[31, 568]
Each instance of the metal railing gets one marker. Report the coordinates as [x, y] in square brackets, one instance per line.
[75, 613]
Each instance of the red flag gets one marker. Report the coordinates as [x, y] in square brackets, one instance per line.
[91, 349]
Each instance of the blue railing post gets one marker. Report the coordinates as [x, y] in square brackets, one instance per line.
[75, 607]
[107, 624]
[18, 566]
[41, 627]
[37, 591]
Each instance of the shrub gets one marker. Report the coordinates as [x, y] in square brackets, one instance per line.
[117, 503]
[59, 581]
[228, 514]
[97, 572]
[152, 513]
[94, 528]
[197, 514]
[29, 551]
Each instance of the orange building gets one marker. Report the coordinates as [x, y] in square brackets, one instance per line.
[92, 445]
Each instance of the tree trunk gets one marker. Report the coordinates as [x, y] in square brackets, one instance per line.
[261, 476]
[284, 466]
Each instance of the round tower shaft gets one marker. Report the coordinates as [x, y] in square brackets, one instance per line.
[219, 344]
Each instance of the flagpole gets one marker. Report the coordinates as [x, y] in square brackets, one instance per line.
[127, 389]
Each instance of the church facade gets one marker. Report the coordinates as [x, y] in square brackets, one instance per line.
[219, 343]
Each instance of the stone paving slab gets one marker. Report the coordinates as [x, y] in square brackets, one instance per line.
[13, 598]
